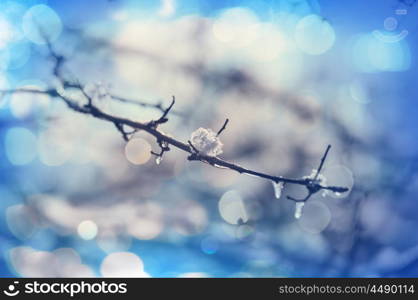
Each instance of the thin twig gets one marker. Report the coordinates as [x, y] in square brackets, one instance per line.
[223, 127]
[312, 184]
[158, 106]
[189, 148]
[321, 164]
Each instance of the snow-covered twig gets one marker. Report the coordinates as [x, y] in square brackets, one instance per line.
[197, 152]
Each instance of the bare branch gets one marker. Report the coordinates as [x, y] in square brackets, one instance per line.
[163, 119]
[312, 184]
[223, 127]
[158, 106]
[193, 148]
[321, 164]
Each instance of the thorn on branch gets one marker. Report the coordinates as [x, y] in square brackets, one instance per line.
[223, 127]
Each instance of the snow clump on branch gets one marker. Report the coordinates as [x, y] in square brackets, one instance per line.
[206, 142]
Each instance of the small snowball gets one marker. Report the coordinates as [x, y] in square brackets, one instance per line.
[206, 142]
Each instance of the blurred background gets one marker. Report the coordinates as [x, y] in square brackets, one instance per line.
[292, 76]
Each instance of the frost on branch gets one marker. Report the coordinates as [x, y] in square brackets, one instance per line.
[319, 178]
[299, 209]
[278, 188]
[98, 91]
[206, 142]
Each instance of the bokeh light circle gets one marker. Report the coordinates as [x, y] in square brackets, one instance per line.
[314, 35]
[390, 23]
[237, 26]
[232, 208]
[20, 144]
[146, 228]
[122, 264]
[315, 218]
[138, 151]
[41, 24]
[87, 230]
[381, 51]
[339, 175]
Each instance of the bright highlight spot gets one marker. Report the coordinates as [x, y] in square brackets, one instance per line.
[339, 175]
[87, 230]
[237, 26]
[168, 8]
[122, 264]
[20, 144]
[41, 23]
[138, 151]
[146, 228]
[315, 218]
[314, 35]
[374, 53]
[232, 208]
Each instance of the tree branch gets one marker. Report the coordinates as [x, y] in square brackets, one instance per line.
[223, 127]
[312, 184]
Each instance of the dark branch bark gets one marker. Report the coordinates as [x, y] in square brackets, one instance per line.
[311, 185]
[223, 127]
